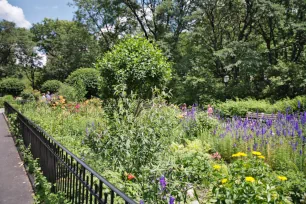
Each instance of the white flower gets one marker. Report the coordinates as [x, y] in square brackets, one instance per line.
[195, 202]
[190, 193]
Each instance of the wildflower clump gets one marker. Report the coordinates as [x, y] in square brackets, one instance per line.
[256, 153]
[249, 179]
[224, 181]
[282, 178]
[217, 167]
[239, 154]
[261, 157]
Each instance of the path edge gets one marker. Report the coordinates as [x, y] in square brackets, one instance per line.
[30, 176]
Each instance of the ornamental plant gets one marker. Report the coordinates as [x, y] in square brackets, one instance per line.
[251, 180]
[137, 64]
[90, 78]
[11, 86]
[51, 85]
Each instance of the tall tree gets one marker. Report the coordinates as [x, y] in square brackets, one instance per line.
[67, 44]
[13, 41]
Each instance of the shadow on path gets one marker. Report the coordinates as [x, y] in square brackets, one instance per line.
[15, 187]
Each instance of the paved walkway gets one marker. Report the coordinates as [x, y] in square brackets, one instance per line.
[15, 187]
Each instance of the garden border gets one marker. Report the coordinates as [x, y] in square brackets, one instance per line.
[70, 174]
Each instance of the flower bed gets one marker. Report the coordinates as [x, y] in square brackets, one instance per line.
[156, 155]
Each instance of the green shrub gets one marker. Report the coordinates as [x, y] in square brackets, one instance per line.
[27, 95]
[7, 98]
[136, 64]
[242, 107]
[11, 86]
[253, 181]
[51, 85]
[72, 93]
[89, 77]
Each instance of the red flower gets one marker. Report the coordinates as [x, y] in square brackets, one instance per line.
[131, 177]
[77, 106]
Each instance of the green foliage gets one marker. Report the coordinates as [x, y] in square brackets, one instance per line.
[253, 181]
[15, 43]
[43, 192]
[89, 77]
[74, 93]
[67, 44]
[135, 63]
[68, 92]
[11, 86]
[149, 139]
[242, 107]
[27, 95]
[51, 85]
[6, 98]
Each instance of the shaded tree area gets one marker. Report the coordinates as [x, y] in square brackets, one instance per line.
[68, 46]
[258, 44]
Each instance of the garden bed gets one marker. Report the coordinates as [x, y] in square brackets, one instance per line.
[155, 154]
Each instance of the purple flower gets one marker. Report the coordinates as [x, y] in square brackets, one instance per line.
[171, 200]
[87, 132]
[301, 152]
[299, 132]
[255, 146]
[162, 182]
[299, 104]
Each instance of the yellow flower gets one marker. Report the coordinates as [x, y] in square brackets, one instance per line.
[282, 178]
[56, 103]
[180, 116]
[243, 154]
[239, 154]
[256, 153]
[60, 97]
[261, 157]
[249, 179]
[223, 181]
[217, 167]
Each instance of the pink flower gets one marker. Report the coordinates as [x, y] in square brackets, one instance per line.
[216, 156]
[77, 106]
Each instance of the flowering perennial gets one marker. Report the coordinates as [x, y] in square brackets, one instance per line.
[249, 179]
[256, 153]
[239, 154]
[224, 181]
[217, 167]
[282, 178]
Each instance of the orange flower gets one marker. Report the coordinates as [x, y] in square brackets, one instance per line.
[131, 177]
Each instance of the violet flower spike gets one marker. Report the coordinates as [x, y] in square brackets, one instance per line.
[162, 182]
[171, 200]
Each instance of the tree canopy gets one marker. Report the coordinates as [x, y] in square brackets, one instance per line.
[136, 64]
[259, 45]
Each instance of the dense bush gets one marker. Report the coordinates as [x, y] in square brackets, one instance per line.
[51, 85]
[89, 77]
[6, 98]
[155, 152]
[135, 63]
[27, 95]
[11, 86]
[242, 107]
[72, 93]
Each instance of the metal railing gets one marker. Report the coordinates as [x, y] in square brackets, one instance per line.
[71, 175]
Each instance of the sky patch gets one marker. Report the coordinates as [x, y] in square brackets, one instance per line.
[14, 14]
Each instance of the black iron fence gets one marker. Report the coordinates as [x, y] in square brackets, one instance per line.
[70, 175]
